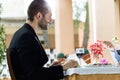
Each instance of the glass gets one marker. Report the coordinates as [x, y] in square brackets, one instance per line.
[80, 54]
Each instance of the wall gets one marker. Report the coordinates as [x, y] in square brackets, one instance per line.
[102, 21]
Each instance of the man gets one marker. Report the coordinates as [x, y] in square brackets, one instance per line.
[26, 52]
[115, 53]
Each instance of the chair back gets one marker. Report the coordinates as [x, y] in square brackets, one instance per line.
[10, 65]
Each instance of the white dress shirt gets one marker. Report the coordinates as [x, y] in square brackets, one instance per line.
[115, 56]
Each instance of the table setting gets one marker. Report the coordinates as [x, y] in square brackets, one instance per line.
[92, 65]
[83, 68]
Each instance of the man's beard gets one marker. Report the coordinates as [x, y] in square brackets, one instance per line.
[43, 27]
[42, 23]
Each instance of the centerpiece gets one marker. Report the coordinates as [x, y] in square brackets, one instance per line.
[96, 51]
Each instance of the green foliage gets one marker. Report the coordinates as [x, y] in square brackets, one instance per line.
[0, 9]
[76, 23]
[86, 29]
[2, 42]
[78, 8]
[77, 12]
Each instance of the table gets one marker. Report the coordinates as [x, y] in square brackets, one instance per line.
[93, 73]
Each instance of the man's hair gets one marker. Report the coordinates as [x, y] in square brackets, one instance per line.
[35, 7]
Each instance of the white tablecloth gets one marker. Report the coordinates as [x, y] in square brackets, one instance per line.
[93, 70]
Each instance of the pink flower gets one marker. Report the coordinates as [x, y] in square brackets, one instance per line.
[96, 49]
[103, 61]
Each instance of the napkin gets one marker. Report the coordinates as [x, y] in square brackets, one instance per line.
[80, 61]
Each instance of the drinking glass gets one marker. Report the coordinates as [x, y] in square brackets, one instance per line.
[80, 53]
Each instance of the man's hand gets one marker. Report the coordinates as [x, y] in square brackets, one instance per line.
[109, 45]
[70, 64]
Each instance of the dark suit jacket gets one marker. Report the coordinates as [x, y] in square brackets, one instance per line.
[28, 57]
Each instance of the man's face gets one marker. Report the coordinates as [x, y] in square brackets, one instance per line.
[45, 19]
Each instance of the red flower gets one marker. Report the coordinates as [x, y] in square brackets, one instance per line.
[97, 49]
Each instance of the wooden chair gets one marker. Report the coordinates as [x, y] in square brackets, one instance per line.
[10, 65]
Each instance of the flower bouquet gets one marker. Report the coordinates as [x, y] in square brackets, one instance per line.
[96, 50]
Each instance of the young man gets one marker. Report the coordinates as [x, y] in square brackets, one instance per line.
[26, 52]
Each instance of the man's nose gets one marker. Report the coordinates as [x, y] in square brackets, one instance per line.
[51, 20]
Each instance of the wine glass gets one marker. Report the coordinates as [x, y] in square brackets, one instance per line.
[80, 53]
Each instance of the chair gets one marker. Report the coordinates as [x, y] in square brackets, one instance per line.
[10, 65]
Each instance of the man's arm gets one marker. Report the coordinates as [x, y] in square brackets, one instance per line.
[113, 52]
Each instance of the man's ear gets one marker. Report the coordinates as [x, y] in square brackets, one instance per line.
[39, 15]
